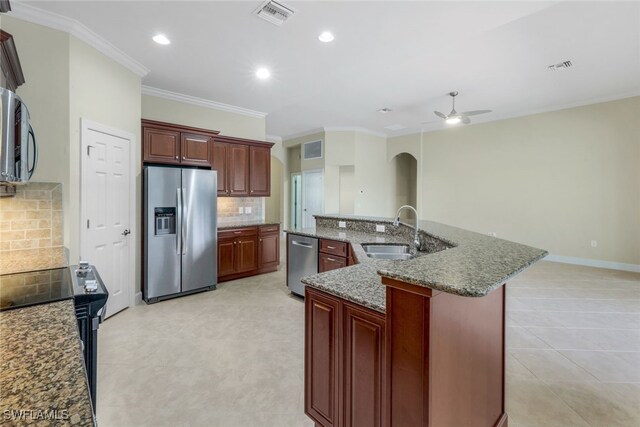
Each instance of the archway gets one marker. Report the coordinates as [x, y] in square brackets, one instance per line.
[403, 183]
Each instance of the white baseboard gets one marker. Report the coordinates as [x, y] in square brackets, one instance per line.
[138, 298]
[594, 263]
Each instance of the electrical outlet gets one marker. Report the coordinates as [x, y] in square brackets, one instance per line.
[594, 243]
[247, 210]
[342, 224]
[380, 228]
[240, 210]
[492, 234]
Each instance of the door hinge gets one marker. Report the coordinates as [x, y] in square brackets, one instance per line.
[87, 223]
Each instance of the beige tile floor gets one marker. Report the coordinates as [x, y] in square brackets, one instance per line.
[234, 356]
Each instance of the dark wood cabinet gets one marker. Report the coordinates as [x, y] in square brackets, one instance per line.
[238, 170]
[247, 251]
[195, 149]
[243, 165]
[322, 358]
[11, 71]
[333, 255]
[219, 162]
[259, 171]
[344, 362]
[161, 146]
[268, 248]
[171, 144]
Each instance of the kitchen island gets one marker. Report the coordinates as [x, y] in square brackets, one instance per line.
[418, 342]
[42, 374]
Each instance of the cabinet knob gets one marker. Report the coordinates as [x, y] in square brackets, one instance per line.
[176, 157]
[184, 158]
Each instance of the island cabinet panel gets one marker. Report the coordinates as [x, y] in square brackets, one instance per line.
[344, 362]
[195, 149]
[219, 163]
[330, 262]
[259, 171]
[238, 170]
[322, 358]
[333, 255]
[444, 357]
[363, 367]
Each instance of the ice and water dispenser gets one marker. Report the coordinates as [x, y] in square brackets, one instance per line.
[165, 221]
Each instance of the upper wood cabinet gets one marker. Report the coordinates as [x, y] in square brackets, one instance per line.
[243, 166]
[11, 76]
[171, 144]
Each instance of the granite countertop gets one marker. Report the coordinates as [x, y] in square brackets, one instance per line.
[457, 261]
[240, 224]
[41, 367]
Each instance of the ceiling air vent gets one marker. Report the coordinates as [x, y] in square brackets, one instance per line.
[274, 12]
[560, 66]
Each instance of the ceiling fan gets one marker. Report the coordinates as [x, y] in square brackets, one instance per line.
[454, 117]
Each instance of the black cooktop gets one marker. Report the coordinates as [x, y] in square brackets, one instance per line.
[44, 286]
[35, 287]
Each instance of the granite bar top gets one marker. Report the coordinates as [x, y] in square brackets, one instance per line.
[452, 260]
[240, 224]
[42, 370]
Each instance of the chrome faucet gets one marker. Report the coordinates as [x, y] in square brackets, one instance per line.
[416, 240]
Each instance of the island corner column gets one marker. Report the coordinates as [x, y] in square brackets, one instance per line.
[445, 357]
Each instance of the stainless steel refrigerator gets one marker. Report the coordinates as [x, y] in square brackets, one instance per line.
[180, 248]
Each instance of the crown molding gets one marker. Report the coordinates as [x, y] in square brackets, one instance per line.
[200, 102]
[303, 133]
[273, 138]
[437, 126]
[80, 31]
[354, 129]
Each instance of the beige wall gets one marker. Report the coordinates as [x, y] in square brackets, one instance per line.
[231, 124]
[273, 205]
[371, 175]
[555, 180]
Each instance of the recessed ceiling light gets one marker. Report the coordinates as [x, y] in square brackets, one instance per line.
[384, 110]
[453, 120]
[161, 39]
[326, 37]
[263, 73]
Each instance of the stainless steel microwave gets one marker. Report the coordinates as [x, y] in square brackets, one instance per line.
[18, 151]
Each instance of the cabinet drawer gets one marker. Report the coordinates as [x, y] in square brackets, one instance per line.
[333, 247]
[330, 262]
[237, 232]
[263, 229]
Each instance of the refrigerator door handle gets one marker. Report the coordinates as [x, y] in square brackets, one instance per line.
[185, 220]
[179, 221]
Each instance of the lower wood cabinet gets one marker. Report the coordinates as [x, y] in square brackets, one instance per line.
[247, 251]
[333, 255]
[344, 362]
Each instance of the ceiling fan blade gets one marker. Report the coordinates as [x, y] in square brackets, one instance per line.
[475, 112]
[466, 120]
[439, 114]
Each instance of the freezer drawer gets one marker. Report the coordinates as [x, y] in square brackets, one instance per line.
[302, 260]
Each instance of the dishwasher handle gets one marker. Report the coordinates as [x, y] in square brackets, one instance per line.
[304, 245]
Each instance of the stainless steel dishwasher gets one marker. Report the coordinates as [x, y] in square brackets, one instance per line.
[302, 260]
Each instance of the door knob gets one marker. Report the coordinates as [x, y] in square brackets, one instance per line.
[126, 232]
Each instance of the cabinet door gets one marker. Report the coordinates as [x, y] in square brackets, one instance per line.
[321, 358]
[195, 149]
[219, 161]
[226, 256]
[330, 262]
[269, 250]
[364, 359]
[260, 170]
[161, 146]
[238, 170]
[246, 254]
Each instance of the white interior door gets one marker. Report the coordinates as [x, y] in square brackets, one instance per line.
[106, 188]
[312, 196]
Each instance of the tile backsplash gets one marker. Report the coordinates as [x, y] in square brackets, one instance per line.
[31, 228]
[229, 209]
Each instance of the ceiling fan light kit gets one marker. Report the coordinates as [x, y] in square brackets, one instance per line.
[453, 118]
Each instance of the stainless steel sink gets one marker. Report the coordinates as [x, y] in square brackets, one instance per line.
[389, 256]
[381, 251]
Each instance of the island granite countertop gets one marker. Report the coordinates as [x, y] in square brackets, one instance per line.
[41, 367]
[457, 261]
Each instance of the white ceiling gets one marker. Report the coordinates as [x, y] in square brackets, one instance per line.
[402, 55]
